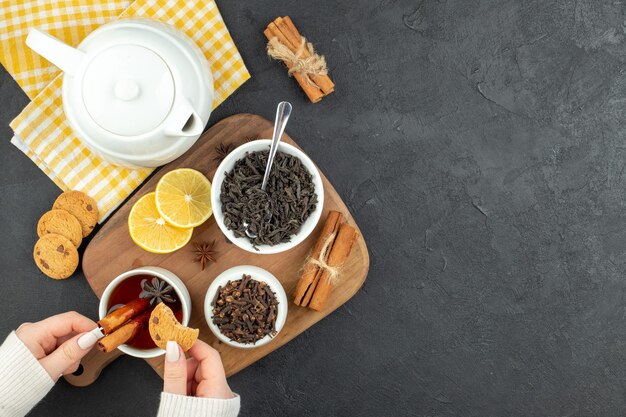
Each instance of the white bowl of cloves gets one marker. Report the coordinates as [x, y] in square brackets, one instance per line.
[245, 307]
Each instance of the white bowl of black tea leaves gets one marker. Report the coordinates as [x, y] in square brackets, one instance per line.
[245, 307]
[275, 219]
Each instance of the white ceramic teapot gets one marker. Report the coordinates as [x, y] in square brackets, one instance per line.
[136, 91]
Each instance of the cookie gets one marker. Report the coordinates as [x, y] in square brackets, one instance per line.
[56, 256]
[81, 206]
[62, 223]
[163, 326]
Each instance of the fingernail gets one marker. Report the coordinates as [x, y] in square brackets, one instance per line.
[87, 340]
[171, 351]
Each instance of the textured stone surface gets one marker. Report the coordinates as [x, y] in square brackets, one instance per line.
[481, 147]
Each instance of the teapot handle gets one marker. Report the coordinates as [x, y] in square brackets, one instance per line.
[183, 120]
[60, 54]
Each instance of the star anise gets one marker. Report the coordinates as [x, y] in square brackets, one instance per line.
[157, 291]
[222, 150]
[205, 253]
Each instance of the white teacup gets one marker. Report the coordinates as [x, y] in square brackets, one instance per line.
[161, 273]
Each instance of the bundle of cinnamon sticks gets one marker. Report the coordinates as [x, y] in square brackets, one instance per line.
[123, 324]
[307, 67]
[321, 269]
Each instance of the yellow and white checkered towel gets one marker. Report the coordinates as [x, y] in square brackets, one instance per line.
[41, 130]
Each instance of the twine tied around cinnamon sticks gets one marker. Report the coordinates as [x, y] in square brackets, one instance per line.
[321, 269]
[308, 68]
[313, 64]
[333, 272]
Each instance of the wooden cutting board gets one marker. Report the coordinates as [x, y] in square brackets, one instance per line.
[112, 252]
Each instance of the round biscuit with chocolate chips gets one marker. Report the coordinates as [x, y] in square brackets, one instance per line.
[61, 223]
[56, 256]
[81, 206]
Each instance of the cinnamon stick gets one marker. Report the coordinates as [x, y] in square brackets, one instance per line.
[123, 334]
[312, 91]
[346, 236]
[294, 40]
[123, 314]
[311, 271]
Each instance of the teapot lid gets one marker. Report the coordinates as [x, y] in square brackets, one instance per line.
[127, 89]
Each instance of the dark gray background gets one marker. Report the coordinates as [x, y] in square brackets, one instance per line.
[481, 147]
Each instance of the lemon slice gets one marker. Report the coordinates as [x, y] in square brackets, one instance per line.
[151, 232]
[183, 197]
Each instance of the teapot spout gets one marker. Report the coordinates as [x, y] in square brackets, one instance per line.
[60, 54]
[183, 121]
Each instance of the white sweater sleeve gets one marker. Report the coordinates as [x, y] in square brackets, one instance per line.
[173, 405]
[23, 381]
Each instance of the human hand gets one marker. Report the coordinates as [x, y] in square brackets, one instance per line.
[202, 375]
[59, 342]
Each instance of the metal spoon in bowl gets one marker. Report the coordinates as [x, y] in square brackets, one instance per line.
[283, 111]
